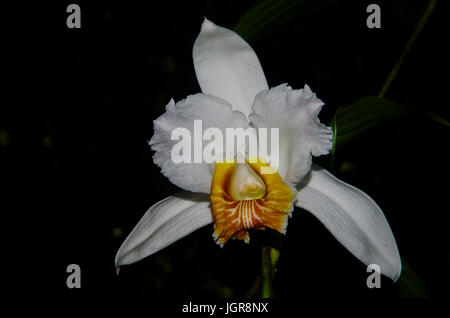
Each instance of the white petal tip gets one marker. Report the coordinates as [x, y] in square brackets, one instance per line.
[207, 25]
[307, 88]
[117, 270]
[395, 279]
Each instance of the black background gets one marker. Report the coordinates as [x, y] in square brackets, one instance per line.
[75, 153]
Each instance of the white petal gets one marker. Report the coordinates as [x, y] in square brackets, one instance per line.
[353, 218]
[294, 113]
[164, 223]
[214, 112]
[227, 67]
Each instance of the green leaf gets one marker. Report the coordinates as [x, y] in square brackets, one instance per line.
[267, 16]
[350, 122]
[409, 284]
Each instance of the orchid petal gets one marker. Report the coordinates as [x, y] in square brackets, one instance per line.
[164, 223]
[294, 113]
[353, 218]
[214, 113]
[227, 67]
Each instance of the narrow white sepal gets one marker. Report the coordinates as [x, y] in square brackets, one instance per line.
[227, 67]
[164, 223]
[353, 218]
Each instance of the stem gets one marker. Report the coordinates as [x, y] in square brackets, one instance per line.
[426, 14]
[269, 260]
[266, 271]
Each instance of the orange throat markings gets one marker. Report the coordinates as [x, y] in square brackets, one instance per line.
[242, 199]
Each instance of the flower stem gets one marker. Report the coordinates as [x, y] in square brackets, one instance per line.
[266, 271]
[426, 14]
[269, 260]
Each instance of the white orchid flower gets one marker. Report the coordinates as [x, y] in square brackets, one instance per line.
[234, 196]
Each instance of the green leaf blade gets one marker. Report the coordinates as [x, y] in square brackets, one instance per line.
[267, 16]
[352, 121]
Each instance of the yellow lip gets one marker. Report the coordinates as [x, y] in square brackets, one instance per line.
[243, 199]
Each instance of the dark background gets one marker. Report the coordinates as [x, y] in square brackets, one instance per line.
[73, 141]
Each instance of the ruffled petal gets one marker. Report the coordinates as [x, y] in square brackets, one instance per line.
[294, 113]
[353, 218]
[164, 223]
[194, 175]
[227, 67]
